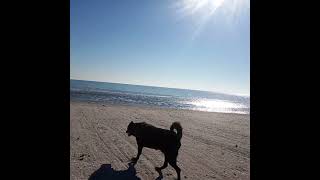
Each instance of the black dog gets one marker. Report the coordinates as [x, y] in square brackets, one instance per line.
[164, 140]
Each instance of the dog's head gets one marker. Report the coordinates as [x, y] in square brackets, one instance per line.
[131, 129]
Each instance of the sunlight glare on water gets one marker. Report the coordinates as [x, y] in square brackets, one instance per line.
[215, 105]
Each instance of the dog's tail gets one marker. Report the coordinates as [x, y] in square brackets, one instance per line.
[177, 126]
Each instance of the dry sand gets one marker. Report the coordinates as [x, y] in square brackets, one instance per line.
[214, 145]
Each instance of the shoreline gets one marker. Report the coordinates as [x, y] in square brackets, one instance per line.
[150, 107]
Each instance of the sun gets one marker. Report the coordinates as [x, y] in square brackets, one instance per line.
[204, 10]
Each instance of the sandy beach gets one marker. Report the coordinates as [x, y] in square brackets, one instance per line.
[214, 145]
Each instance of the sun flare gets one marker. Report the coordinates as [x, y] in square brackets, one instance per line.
[204, 10]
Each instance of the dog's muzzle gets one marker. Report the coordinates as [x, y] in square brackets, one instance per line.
[129, 134]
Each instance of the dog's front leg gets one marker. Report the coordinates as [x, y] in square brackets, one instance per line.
[134, 160]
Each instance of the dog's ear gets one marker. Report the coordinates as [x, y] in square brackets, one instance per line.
[131, 122]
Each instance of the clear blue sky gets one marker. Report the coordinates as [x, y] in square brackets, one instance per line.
[191, 44]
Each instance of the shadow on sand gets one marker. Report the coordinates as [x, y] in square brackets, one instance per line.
[106, 172]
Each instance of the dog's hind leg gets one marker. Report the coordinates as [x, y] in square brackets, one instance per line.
[165, 164]
[173, 163]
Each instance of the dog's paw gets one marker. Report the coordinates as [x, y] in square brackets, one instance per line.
[158, 169]
[134, 160]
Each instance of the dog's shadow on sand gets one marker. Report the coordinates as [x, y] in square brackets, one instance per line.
[106, 172]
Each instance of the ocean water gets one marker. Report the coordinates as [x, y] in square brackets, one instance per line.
[115, 93]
